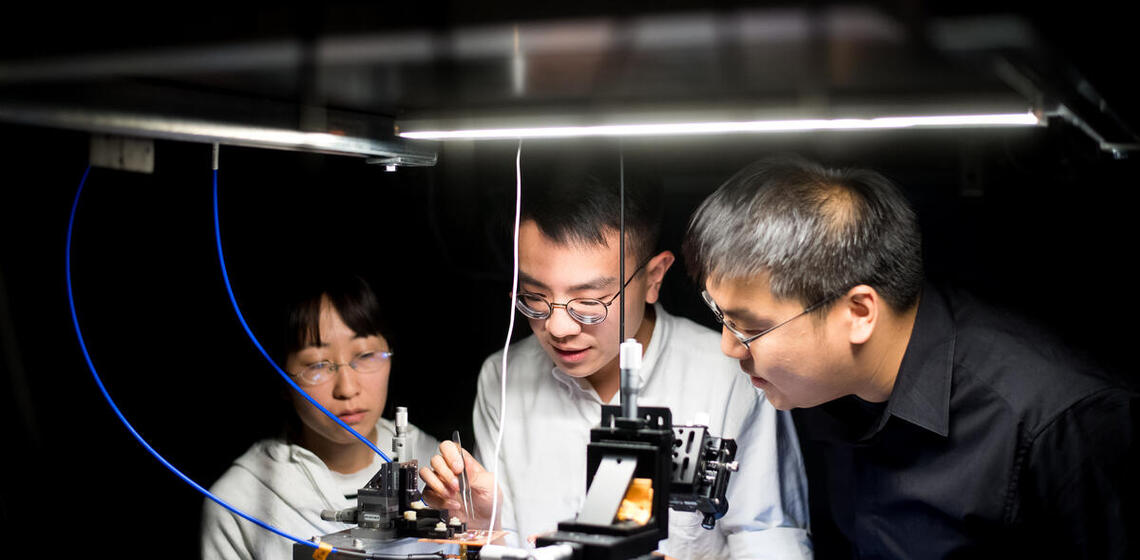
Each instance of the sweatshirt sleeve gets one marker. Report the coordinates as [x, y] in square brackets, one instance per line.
[222, 538]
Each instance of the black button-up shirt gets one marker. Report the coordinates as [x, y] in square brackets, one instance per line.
[994, 442]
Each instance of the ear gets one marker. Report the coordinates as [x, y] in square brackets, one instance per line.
[655, 272]
[862, 306]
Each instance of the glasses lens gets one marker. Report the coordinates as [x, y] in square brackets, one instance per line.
[533, 306]
[371, 362]
[317, 373]
[712, 305]
[589, 311]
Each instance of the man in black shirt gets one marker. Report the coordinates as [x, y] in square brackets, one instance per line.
[931, 426]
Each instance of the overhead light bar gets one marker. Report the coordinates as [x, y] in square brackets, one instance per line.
[731, 127]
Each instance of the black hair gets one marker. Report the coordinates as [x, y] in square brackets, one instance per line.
[816, 231]
[351, 297]
[573, 197]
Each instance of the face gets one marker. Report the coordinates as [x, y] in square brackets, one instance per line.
[803, 363]
[357, 399]
[563, 272]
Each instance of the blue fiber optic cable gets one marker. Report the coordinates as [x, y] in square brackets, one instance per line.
[248, 331]
[153, 452]
[115, 408]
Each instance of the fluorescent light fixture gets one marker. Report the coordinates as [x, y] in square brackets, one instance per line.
[731, 127]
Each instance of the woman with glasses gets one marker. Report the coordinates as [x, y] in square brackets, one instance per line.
[334, 348]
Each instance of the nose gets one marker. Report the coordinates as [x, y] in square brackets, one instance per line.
[731, 345]
[347, 385]
[560, 324]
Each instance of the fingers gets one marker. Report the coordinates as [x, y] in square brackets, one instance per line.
[442, 480]
[450, 452]
[433, 499]
[436, 501]
[473, 466]
[448, 480]
[433, 482]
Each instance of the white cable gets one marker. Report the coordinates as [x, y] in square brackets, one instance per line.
[507, 345]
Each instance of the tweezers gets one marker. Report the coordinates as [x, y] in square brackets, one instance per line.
[464, 488]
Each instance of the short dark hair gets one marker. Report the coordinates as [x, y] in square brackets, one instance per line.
[573, 197]
[816, 231]
[351, 297]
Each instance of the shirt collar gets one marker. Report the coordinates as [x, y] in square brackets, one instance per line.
[662, 325]
[921, 395]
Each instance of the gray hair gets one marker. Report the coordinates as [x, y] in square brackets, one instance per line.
[815, 231]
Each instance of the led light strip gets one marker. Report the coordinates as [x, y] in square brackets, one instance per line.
[728, 127]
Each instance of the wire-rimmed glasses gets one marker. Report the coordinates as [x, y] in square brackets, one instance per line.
[318, 373]
[746, 339]
[588, 311]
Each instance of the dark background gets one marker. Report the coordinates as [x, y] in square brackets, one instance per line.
[1036, 220]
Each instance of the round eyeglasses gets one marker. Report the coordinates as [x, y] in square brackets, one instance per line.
[318, 373]
[746, 339]
[588, 311]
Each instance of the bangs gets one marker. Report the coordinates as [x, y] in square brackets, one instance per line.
[353, 300]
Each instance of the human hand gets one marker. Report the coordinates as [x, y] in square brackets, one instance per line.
[442, 480]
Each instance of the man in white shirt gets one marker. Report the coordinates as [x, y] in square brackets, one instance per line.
[558, 379]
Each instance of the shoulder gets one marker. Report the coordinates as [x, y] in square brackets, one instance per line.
[684, 326]
[684, 330]
[692, 375]
[693, 350]
[1032, 371]
[254, 467]
[526, 363]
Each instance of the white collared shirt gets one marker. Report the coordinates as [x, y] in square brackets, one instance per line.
[549, 415]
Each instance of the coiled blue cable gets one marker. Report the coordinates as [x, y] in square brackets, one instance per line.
[143, 442]
[248, 331]
[115, 408]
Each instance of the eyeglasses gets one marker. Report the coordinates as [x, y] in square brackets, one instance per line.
[588, 311]
[745, 339]
[318, 373]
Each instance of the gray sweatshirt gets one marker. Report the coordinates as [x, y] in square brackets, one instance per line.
[286, 486]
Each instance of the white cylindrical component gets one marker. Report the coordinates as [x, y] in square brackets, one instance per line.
[499, 552]
[401, 419]
[410, 515]
[454, 521]
[630, 354]
[630, 361]
[400, 440]
[440, 526]
[553, 552]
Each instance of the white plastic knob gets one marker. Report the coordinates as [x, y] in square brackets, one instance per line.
[630, 354]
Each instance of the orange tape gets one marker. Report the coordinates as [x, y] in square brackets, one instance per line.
[322, 552]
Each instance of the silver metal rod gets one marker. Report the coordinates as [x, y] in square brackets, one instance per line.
[189, 130]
